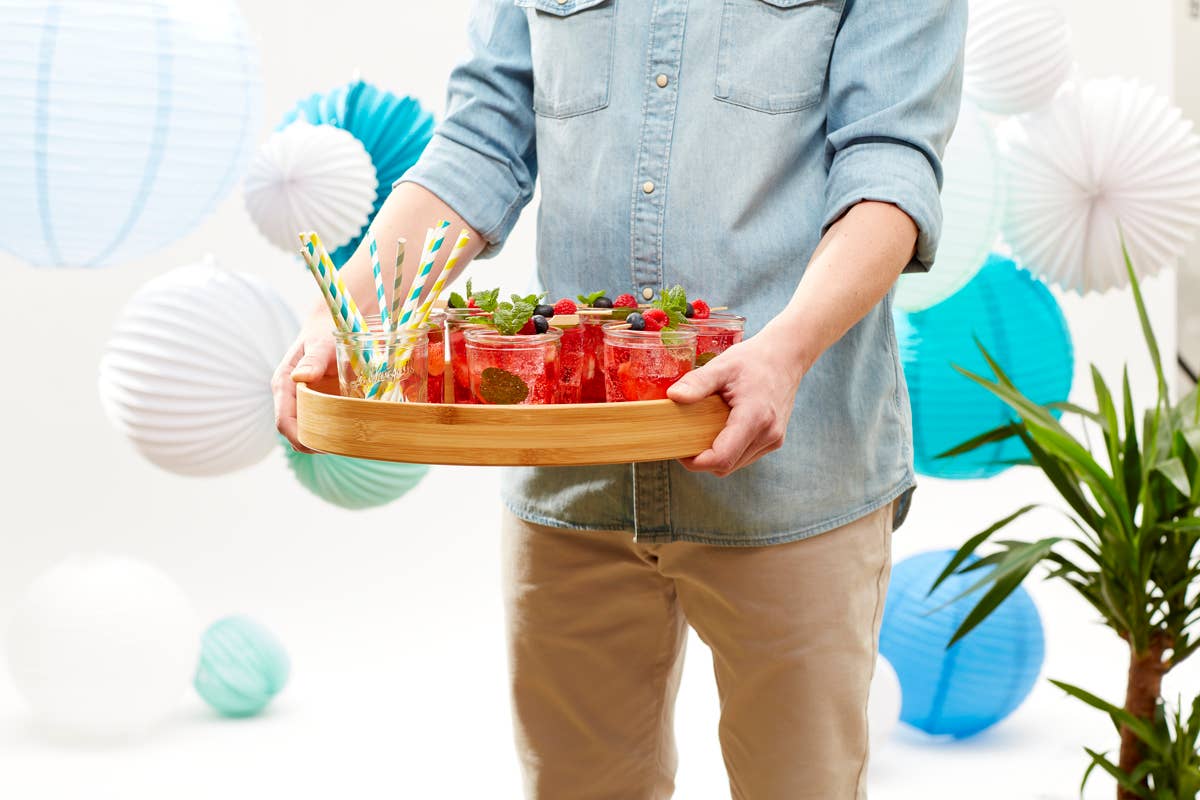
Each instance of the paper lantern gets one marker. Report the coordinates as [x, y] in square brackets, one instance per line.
[354, 483]
[102, 646]
[972, 203]
[979, 681]
[394, 130]
[187, 371]
[883, 709]
[1104, 154]
[125, 123]
[242, 667]
[1018, 54]
[1018, 321]
[311, 177]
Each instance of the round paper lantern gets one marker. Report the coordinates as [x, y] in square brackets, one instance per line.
[394, 130]
[187, 372]
[883, 709]
[102, 646]
[1106, 156]
[125, 123]
[972, 202]
[311, 177]
[354, 483]
[1018, 321]
[1018, 54]
[979, 681]
[242, 667]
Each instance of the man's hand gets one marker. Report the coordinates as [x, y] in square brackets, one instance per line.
[309, 358]
[758, 379]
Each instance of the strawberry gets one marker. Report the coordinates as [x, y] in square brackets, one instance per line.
[565, 306]
[700, 309]
[656, 319]
[528, 328]
[625, 301]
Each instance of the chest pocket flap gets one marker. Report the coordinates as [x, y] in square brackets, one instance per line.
[571, 46]
[568, 7]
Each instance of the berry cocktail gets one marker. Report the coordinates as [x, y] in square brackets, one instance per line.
[512, 369]
[715, 334]
[458, 321]
[642, 364]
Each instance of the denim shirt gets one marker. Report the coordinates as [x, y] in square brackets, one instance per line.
[711, 143]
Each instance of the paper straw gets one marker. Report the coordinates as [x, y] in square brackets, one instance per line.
[377, 271]
[396, 279]
[322, 284]
[418, 284]
[337, 288]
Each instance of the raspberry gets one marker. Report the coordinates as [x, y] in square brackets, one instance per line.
[656, 319]
[528, 328]
[625, 301]
[700, 309]
[565, 306]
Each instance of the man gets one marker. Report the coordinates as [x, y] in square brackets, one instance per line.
[778, 156]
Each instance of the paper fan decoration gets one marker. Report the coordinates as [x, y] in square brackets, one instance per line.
[972, 202]
[1106, 156]
[1018, 54]
[311, 177]
[187, 371]
[394, 130]
[354, 483]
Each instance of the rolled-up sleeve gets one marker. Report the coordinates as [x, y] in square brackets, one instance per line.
[482, 159]
[895, 82]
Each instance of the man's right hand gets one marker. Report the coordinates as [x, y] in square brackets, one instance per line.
[309, 358]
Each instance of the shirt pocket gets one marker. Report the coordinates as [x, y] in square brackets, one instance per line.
[774, 54]
[571, 44]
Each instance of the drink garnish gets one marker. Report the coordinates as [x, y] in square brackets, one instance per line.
[501, 387]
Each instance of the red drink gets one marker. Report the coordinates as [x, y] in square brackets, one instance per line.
[437, 357]
[457, 322]
[591, 382]
[509, 370]
[716, 334]
[642, 365]
[570, 362]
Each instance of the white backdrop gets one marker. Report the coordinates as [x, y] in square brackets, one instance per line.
[392, 616]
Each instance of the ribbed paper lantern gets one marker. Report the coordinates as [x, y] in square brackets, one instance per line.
[972, 203]
[1018, 54]
[981, 679]
[187, 372]
[1104, 154]
[1018, 321]
[354, 483]
[393, 129]
[242, 667]
[125, 123]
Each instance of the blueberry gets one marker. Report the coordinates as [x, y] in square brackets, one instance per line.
[636, 322]
[688, 311]
[543, 310]
[540, 325]
[602, 302]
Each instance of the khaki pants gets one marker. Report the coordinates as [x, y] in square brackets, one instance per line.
[596, 627]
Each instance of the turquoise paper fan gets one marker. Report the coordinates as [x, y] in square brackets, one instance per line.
[353, 483]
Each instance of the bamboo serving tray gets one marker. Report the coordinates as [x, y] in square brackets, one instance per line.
[556, 435]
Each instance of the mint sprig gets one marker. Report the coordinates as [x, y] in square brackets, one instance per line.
[486, 299]
[456, 301]
[509, 318]
[588, 299]
[674, 302]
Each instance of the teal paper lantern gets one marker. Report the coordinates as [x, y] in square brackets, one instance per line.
[242, 667]
[393, 129]
[1016, 318]
[984, 677]
[125, 123]
[353, 483]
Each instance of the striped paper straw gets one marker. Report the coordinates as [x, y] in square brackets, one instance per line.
[418, 284]
[335, 308]
[399, 275]
[377, 271]
[337, 288]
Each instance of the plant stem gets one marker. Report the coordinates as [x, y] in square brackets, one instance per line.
[1142, 694]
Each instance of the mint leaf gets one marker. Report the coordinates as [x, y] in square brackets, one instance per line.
[486, 299]
[470, 292]
[672, 338]
[588, 299]
[501, 387]
[456, 301]
[674, 302]
[704, 358]
[531, 299]
[509, 318]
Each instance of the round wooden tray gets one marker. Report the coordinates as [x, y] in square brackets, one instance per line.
[566, 435]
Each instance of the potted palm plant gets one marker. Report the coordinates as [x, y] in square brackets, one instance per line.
[1129, 549]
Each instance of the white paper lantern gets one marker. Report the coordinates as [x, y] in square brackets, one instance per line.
[1018, 54]
[102, 646]
[125, 123]
[972, 203]
[187, 372]
[311, 177]
[883, 709]
[1106, 156]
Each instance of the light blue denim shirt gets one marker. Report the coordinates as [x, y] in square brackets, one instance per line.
[710, 143]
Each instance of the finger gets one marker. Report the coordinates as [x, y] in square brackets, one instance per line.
[699, 383]
[318, 361]
[284, 393]
[741, 430]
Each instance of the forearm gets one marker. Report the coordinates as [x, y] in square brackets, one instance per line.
[853, 267]
[409, 210]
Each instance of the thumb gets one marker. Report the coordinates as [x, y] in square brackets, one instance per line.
[698, 384]
[315, 363]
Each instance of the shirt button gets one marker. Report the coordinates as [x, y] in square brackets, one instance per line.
[647, 292]
[662, 81]
[562, 2]
[648, 187]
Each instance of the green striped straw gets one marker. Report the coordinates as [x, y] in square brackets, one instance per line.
[396, 279]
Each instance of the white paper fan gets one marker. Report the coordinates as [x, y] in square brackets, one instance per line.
[311, 177]
[1018, 54]
[1106, 157]
[187, 371]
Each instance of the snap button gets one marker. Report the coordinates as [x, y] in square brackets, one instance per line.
[648, 187]
[648, 293]
[662, 81]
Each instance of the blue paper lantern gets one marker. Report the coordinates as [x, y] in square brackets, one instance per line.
[393, 129]
[353, 483]
[125, 123]
[242, 667]
[1018, 321]
[981, 679]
